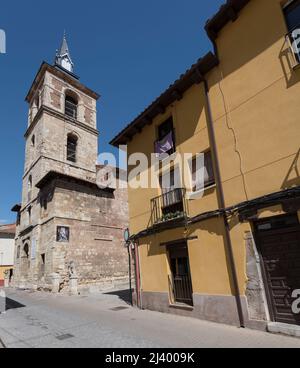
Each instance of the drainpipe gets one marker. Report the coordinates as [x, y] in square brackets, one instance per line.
[137, 274]
[130, 272]
[228, 242]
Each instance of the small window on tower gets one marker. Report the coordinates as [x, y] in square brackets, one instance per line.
[71, 105]
[72, 148]
[30, 183]
[26, 250]
[29, 215]
[33, 141]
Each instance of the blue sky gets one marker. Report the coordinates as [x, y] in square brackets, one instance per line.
[128, 51]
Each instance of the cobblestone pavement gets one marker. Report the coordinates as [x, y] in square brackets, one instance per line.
[40, 320]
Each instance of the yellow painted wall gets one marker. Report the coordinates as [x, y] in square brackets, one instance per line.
[191, 137]
[255, 106]
[3, 269]
[207, 253]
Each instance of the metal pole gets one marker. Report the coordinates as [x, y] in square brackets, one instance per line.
[130, 274]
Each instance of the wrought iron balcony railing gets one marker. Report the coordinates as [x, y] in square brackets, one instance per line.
[169, 206]
[293, 42]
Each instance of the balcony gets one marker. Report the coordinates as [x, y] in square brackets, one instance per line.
[170, 206]
[293, 43]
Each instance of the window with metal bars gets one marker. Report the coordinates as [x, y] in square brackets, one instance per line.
[71, 107]
[72, 148]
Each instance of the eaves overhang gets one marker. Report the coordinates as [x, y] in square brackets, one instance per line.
[229, 12]
[194, 75]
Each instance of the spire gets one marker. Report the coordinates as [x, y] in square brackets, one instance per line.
[63, 57]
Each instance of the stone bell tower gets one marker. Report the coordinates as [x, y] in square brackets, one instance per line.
[61, 203]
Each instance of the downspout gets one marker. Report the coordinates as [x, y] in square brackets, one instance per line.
[138, 274]
[228, 242]
[130, 272]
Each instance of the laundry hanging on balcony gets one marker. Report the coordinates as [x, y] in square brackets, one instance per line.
[165, 145]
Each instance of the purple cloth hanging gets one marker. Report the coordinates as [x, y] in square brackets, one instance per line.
[165, 145]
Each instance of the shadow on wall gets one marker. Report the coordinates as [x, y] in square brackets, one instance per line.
[247, 41]
[293, 176]
[287, 61]
[217, 227]
[191, 116]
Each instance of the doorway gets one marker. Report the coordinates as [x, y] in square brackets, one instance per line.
[278, 240]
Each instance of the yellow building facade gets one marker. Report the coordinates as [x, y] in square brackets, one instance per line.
[7, 243]
[231, 252]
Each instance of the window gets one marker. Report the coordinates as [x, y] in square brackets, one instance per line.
[165, 128]
[18, 251]
[42, 264]
[172, 195]
[166, 138]
[72, 148]
[44, 204]
[71, 107]
[170, 180]
[26, 250]
[292, 15]
[29, 215]
[19, 219]
[33, 141]
[37, 102]
[197, 179]
[29, 184]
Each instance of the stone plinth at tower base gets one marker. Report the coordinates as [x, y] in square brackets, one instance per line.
[55, 281]
[6, 281]
[73, 285]
[2, 301]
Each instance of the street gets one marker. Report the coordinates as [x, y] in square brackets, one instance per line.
[42, 320]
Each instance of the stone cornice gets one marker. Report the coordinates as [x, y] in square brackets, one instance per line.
[61, 75]
[56, 160]
[59, 115]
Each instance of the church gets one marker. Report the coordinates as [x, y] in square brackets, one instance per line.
[69, 229]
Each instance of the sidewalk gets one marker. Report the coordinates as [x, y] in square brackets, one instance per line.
[40, 320]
